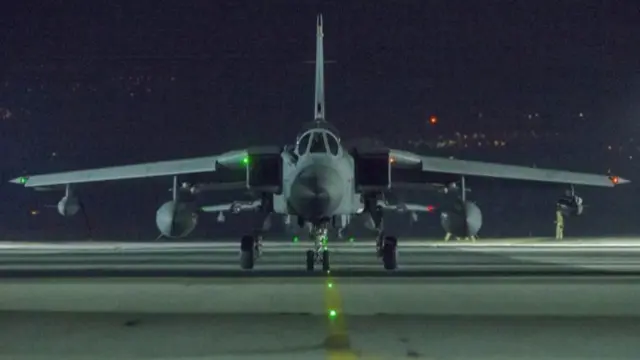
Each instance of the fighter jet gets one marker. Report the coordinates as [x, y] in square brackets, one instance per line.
[317, 181]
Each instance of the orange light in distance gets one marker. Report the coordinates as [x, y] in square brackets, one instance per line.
[433, 120]
[391, 160]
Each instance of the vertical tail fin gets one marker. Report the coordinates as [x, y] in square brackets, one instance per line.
[319, 97]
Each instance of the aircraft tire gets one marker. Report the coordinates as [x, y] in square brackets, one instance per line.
[247, 252]
[311, 259]
[326, 265]
[390, 253]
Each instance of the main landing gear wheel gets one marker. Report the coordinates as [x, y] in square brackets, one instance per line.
[311, 259]
[314, 257]
[325, 261]
[247, 252]
[390, 252]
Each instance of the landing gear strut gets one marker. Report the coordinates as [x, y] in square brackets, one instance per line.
[320, 253]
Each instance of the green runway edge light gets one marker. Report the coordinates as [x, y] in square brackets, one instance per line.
[296, 239]
[333, 313]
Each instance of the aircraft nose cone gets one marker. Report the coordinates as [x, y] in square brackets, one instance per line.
[316, 192]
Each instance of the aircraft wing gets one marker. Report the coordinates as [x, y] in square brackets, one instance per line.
[441, 167]
[137, 171]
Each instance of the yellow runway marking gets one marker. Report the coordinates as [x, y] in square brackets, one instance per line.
[337, 341]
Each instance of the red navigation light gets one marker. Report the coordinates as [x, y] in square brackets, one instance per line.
[430, 208]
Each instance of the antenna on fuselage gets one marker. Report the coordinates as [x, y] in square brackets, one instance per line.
[319, 110]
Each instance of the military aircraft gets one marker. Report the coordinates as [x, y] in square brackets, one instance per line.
[317, 181]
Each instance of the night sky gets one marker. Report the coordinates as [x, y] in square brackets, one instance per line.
[96, 83]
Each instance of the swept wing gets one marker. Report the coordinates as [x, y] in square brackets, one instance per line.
[455, 167]
[137, 171]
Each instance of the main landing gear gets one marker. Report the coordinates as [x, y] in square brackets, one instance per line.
[320, 253]
[387, 250]
[250, 250]
[386, 245]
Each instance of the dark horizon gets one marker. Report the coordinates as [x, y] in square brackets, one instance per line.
[89, 85]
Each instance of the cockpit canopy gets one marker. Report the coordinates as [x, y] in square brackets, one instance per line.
[318, 141]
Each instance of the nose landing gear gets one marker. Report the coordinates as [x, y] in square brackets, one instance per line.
[320, 252]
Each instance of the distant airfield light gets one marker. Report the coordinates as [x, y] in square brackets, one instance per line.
[433, 120]
[352, 239]
[296, 239]
[34, 212]
[333, 313]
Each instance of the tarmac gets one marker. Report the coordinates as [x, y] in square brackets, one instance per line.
[494, 299]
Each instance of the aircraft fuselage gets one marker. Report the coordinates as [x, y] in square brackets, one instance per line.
[318, 182]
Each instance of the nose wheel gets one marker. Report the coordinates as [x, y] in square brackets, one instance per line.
[318, 257]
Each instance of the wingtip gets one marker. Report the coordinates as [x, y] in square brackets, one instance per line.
[22, 180]
[616, 180]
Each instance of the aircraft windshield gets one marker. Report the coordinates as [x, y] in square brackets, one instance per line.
[332, 143]
[317, 144]
[318, 141]
[303, 144]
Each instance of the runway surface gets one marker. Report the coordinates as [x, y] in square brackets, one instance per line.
[533, 256]
[506, 299]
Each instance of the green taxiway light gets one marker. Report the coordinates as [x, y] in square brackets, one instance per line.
[333, 313]
[352, 239]
[245, 160]
[330, 285]
[295, 239]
